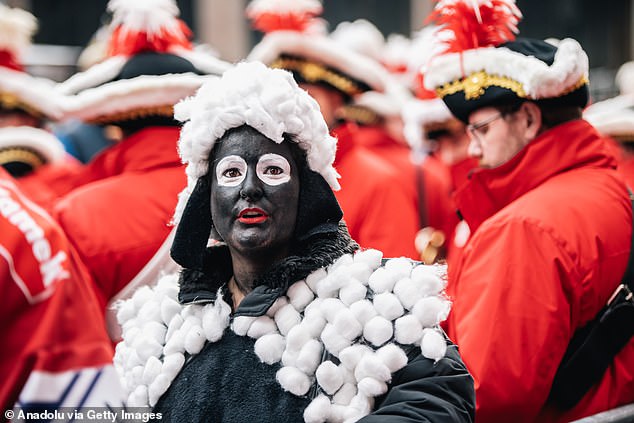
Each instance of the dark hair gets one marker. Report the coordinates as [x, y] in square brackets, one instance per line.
[552, 115]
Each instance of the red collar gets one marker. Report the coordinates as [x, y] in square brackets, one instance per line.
[345, 134]
[568, 146]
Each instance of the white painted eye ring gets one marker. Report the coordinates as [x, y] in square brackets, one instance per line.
[230, 164]
[270, 161]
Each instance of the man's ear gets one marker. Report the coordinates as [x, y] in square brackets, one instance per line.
[533, 119]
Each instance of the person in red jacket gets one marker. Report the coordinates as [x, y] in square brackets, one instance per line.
[379, 212]
[116, 210]
[55, 351]
[550, 216]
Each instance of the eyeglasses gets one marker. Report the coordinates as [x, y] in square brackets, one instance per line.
[476, 130]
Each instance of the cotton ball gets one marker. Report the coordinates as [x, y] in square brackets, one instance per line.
[337, 413]
[263, 325]
[194, 340]
[351, 355]
[241, 324]
[370, 257]
[378, 330]
[277, 304]
[175, 324]
[359, 271]
[392, 356]
[130, 335]
[345, 394]
[433, 344]
[309, 356]
[382, 280]
[158, 388]
[401, 267]
[172, 364]
[142, 296]
[289, 358]
[371, 387]
[300, 295]
[330, 308]
[293, 380]
[151, 370]
[363, 311]
[168, 285]
[125, 311]
[313, 325]
[155, 330]
[352, 292]
[361, 405]
[147, 347]
[329, 286]
[318, 410]
[313, 278]
[329, 377]
[192, 311]
[286, 318]
[344, 260]
[139, 397]
[150, 311]
[388, 305]
[333, 341]
[427, 280]
[372, 366]
[169, 308]
[134, 377]
[214, 321]
[347, 324]
[314, 308]
[269, 348]
[132, 359]
[176, 343]
[407, 292]
[407, 330]
[431, 310]
[297, 337]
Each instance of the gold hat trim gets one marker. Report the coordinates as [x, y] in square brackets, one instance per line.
[475, 85]
[358, 114]
[11, 101]
[22, 155]
[314, 72]
[167, 110]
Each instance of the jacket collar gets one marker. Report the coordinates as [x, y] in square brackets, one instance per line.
[317, 252]
[566, 147]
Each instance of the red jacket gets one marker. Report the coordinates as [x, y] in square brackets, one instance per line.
[54, 343]
[118, 216]
[379, 211]
[551, 233]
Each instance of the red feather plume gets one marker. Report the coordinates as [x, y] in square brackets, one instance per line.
[269, 22]
[283, 15]
[465, 25]
[124, 41]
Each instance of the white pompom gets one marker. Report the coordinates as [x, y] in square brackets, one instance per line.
[277, 304]
[388, 305]
[329, 286]
[370, 257]
[318, 410]
[372, 366]
[382, 280]
[345, 394]
[151, 370]
[300, 295]
[392, 356]
[263, 325]
[309, 357]
[156, 331]
[371, 387]
[289, 358]
[407, 292]
[359, 271]
[176, 343]
[378, 330]
[293, 380]
[158, 388]
[330, 308]
[337, 413]
[313, 278]
[168, 286]
[363, 311]
[147, 347]
[138, 398]
[142, 296]
[287, 318]
[241, 324]
[214, 321]
[430, 311]
[297, 337]
[314, 308]
[344, 260]
[329, 377]
[333, 340]
[347, 324]
[150, 311]
[361, 404]
[427, 279]
[172, 364]
[401, 267]
[174, 325]
[194, 340]
[269, 348]
[351, 355]
[125, 311]
[433, 344]
[169, 308]
[313, 325]
[352, 292]
[408, 330]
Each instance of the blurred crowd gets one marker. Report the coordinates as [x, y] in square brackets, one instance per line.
[465, 149]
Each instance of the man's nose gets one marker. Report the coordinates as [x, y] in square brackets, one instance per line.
[251, 186]
[474, 149]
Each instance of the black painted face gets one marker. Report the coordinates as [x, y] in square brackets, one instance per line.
[254, 192]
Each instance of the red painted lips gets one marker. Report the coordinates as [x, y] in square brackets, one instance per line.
[252, 216]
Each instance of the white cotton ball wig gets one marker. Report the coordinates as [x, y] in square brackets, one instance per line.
[270, 101]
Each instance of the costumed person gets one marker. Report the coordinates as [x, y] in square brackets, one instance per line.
[116, 210]
[26, 102]
[56, 352]
[541, 311]
[284, 318]
[333, 75]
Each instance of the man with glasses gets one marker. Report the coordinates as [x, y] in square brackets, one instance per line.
[551, 226]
